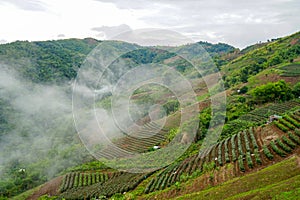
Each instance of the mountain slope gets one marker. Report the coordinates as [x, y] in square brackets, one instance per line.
[283, 50]
[35, 103]
[55, 63]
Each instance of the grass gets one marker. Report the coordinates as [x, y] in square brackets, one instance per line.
[26, 194]
[291, 195]
[203, 97]
[283, 176]
[278, 190]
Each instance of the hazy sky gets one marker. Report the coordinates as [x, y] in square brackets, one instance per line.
[237, 22]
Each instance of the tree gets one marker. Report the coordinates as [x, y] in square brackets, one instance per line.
[278, 91]
[296, 89]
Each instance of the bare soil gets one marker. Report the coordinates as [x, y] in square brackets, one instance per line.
[50, 188]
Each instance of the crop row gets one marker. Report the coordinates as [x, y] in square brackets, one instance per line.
[296, 117]
[244, 149]
[284, 145]
[277, 150]
[227, 158]
[233, 148]
[76, 179]
[140, 141]
[255, 146]
[252, 117]
[294, 138]
[289, 122]
[118, 184]
[292, 120]
[166, 177]
[261, 114]
[218, 154]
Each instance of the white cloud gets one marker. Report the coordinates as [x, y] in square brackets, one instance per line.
[3, 41]
[31, 5]
[108, 32]
[238, 22]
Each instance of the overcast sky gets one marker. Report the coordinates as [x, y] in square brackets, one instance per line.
[237, 22]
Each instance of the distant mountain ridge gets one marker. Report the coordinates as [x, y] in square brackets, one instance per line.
[54, 61]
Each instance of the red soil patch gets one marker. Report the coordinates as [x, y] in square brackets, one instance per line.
[269, 133]
[172, 59]
[264, 79]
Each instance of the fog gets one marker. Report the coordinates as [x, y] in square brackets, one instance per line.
[41, 135]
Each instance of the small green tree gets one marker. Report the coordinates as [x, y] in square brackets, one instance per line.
[278, 91]
[296, 89]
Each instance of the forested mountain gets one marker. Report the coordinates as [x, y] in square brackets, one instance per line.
[50, 61]
[38, 140]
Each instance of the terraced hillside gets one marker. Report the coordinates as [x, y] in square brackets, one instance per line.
[245, 152]
[261, 126]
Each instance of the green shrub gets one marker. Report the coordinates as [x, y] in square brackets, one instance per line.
[289, 142]
[85, 177]
[89, 182]
[241, 163]
[240, 148]
[277, 150]
[76, 180]
[233, 148]
[283, 146]
[163, 184]
[287, 124]
[62, 186]
[105, 177]
[207, 167]
[46, 197]
[272, 91]
[152, 184]
[234, 127]
[97, 177]
[80, 184]
[93, 178]
[253, 140]
[296, 117]
[249, 160]
[281, 126]
[158, 184]
[297, 131]
[227, 159]
[247, 144]
[257, 157]
[267, 152]
[71, 181]
[220, 154]
[292, 121]
[294, 138]
[148, 187]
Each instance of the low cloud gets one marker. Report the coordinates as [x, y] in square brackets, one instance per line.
[108, 32]
[40, 135]
[61, 35]
[3, 41]
[30, 5]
